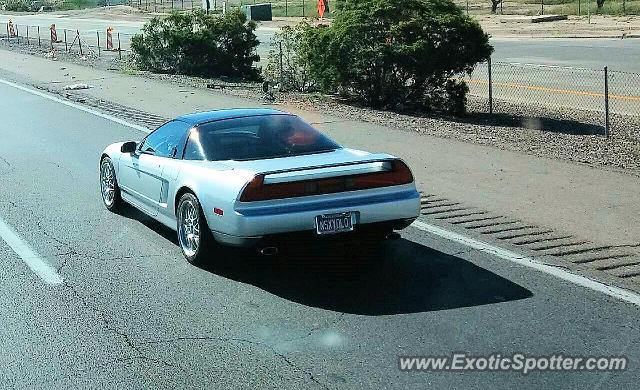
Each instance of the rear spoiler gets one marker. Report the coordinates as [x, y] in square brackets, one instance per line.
[324, 179]
[328, 170]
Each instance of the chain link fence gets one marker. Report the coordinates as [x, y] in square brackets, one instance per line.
[557, 91]
[603, 98]
[85, 43]
[279, 8]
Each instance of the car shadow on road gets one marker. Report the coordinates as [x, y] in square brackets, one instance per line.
[134, 214]
[405, 277]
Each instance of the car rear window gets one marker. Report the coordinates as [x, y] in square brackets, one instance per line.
[256, 137]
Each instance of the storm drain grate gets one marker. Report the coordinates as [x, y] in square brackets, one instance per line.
[433, 206]
[151, 121]
[450, 210]
[509, 229]
[490, 224]
[461, 215]
[616, 260]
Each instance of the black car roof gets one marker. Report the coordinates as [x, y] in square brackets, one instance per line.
[199, 118]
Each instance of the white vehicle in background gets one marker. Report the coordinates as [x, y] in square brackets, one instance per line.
[252, 178]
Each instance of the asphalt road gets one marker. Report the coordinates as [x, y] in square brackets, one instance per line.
[132, 313]
[592, 53]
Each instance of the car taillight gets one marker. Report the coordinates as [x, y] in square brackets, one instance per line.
[399, 174]
[256, 189]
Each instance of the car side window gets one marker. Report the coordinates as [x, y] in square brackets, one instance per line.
[163, 142]
[194, 150]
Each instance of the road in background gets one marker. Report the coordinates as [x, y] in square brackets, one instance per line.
[593, 53]
[618, 54]
[133, 313]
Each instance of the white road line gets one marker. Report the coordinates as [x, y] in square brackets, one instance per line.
[74, 105]
[40, 267]
[506, 254]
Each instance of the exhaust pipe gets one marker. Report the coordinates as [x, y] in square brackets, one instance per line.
[268, 251]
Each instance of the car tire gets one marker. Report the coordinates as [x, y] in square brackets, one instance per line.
[109, 186]
[194, 237]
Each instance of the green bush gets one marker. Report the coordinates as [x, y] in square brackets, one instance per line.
[294, 73]
[18, 5]
[397, 53]
[199, 45]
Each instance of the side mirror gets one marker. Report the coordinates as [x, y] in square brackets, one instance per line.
[128, 147]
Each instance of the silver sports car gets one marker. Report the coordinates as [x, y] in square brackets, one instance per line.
[252, 177]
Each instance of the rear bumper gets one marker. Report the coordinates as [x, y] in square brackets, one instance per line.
[388, 210]
[381, 229]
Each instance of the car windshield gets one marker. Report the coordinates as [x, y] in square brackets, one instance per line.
[257, 137]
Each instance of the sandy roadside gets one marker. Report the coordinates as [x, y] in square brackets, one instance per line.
[603, 26]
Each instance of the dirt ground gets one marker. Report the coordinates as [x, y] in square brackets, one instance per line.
[575, 26]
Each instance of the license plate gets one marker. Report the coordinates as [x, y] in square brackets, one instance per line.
[334, 223]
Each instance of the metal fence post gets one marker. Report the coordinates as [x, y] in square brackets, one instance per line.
[119, 50]
[27, 34]
[542, 3]
[303, 8]
[606, 102]
[490, 87]
[98, 40]
[79, 41]
[66, 48]
[286, 7]
[39, 36]
[281, 64]
[579, 13]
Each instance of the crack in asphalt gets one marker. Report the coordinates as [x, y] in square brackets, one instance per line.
[4, 160]
[280, 355]
[57, 165]
[315, 329]
[124, 336]
[71, 252]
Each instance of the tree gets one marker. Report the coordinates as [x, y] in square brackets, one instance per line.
[397, 53]
[198, 44]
